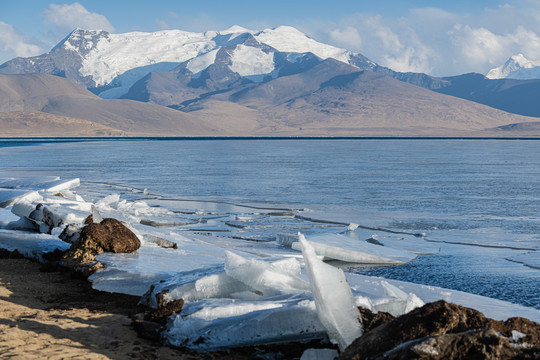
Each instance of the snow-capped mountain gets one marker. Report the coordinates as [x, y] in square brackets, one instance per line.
[516, 67]
[109, 64]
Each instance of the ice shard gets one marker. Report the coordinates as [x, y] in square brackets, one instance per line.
[334, 300]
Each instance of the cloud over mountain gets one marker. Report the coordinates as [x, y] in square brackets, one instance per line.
[71, 16]
[436, 41]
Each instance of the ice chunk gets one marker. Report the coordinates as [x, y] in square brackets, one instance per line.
[398, 303]
[110, 201]
[319, 354]
[516, 335]
[338, 247]
[336, 307]
[211, 286]
[226, 323]
[264, 276]
[352, 227]
[24, 209]
[60, 185]
[31, 245]
[9, 197]
[96, 216]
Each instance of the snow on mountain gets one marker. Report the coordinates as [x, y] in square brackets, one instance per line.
[117, 53]
[251, 61]
[201, 62]
[289, 39]
[109, 64]
[516, 67]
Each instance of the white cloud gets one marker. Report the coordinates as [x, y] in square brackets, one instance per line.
[347, 37]
[437, 41]
[13, 44]
[71, 16]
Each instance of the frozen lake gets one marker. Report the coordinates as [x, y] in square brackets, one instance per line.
[478, 201]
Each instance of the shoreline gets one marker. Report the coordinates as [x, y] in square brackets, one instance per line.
[55, 315]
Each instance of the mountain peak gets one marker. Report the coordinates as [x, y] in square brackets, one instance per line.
[516, 67]
[235, 29]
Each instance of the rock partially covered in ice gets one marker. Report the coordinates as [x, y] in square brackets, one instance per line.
[481, 344]
[108, 236]
[164, 243]
[333, 298]
[436, 319]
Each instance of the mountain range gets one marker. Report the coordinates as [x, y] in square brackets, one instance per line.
[241, 82]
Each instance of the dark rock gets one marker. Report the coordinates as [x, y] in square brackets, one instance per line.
[473, 344]
[55, 255]
[108, 236]
[371, 320]
[6, 254]
[147, 329]
[439, 318]
[165, 309]
[50, 219]
[89, 220]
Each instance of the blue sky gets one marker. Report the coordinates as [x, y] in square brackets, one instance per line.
[432, 36]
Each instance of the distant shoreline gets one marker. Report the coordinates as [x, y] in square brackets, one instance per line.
[250, 138]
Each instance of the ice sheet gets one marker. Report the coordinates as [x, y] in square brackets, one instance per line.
[339, 247]
[530, 259]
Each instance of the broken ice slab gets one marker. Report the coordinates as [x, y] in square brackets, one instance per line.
[167, 222]
[334, 301]
[339, 247]
[239, 278]
[46, 184]
[10, 196]
[31, 245]
[224, 323]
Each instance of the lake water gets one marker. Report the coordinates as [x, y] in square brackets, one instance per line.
[478, 200]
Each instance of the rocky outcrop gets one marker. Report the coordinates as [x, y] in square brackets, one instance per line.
[441, 330]
[110, 235]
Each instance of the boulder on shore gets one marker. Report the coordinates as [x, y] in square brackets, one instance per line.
[110, 235]
[441, 330]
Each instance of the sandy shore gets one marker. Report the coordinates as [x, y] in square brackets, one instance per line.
[51, 315]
